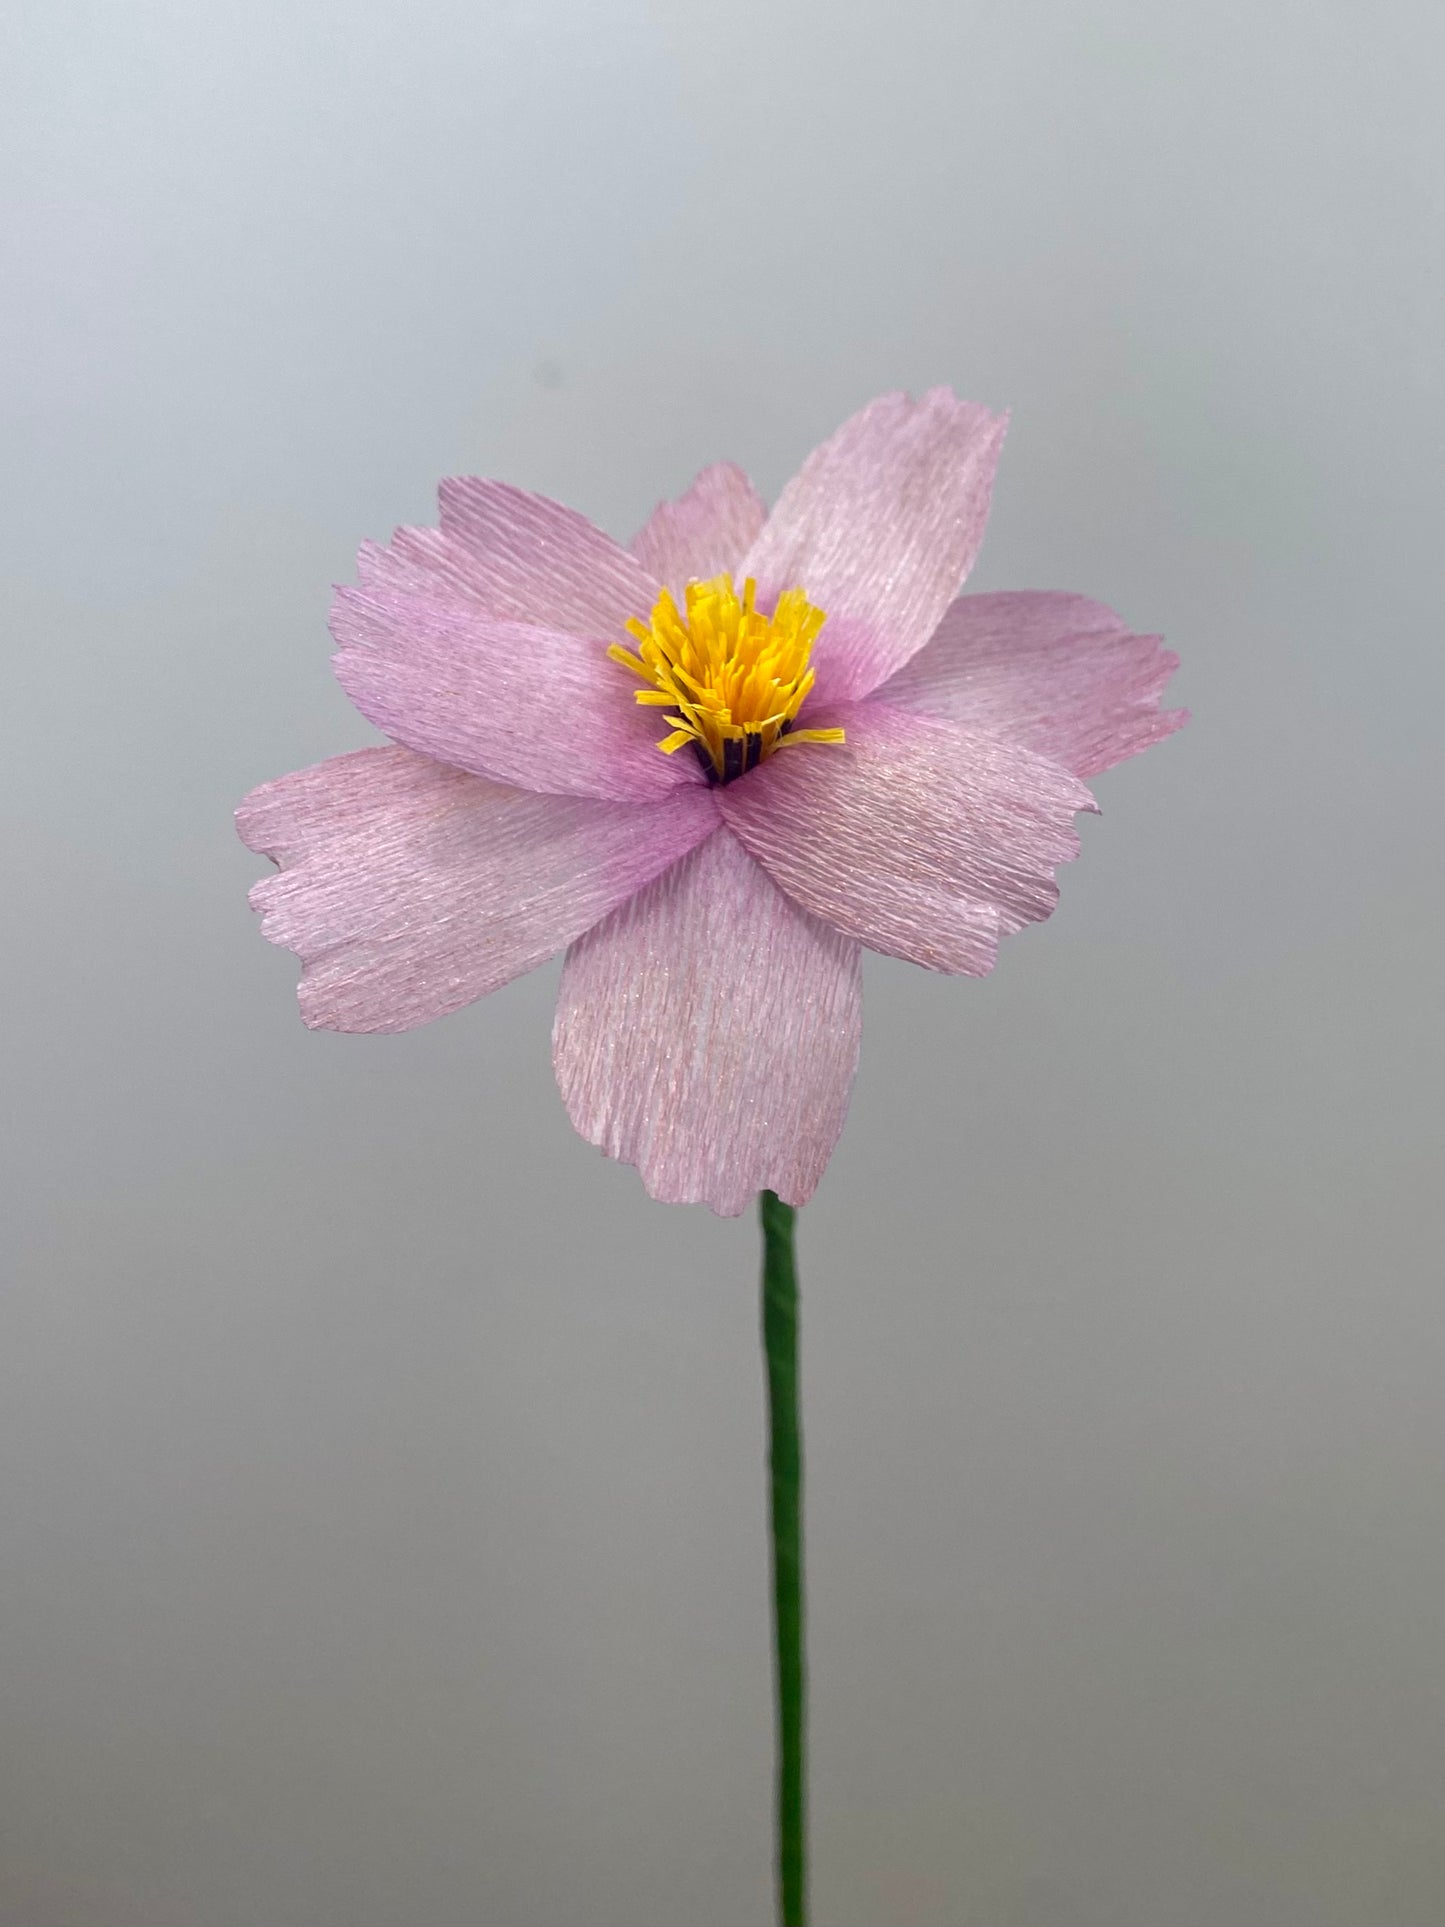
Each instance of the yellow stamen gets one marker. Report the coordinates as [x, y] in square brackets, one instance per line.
[727, 673]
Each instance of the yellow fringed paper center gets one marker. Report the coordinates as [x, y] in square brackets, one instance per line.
[731, 678]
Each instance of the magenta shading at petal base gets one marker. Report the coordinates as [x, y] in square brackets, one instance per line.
[520, 704]
[920, 838]
[705, 532]
[708, 1033]
[409, 889]
[879, 527]
[516, 555]
[1058, 672]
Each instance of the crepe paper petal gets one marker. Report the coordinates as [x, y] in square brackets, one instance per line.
[879, 527]
[409, 889]
[1057, 672]
[922, 838]
[708, 1033]
[521, 704]
[515, 555]
[705, 532]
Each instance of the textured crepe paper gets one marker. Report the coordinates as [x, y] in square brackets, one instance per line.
[708, 1021]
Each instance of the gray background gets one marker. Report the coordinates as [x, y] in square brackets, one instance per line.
[381, 1503]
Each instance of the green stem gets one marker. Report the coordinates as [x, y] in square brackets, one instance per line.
[785, 1458]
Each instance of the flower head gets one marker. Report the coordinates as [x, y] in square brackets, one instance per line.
[585, 756]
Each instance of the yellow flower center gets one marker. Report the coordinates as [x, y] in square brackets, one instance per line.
[732, 678]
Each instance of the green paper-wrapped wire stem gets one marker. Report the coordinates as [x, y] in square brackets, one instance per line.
[785, 1460]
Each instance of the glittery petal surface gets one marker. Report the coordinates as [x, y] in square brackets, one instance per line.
[409, 889]
[708, 1033]
[880, 526]
[514, 555]
[923, 839]
[705, 532]
[523, 705]
[1058, 672]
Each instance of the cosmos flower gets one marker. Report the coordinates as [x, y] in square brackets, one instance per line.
[709, 767]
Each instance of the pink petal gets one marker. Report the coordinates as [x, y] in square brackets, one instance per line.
[1057, 672]
[409, 889]
[922, 838]
[703, 533]
[879, 527]
[515, 555]
[503, 699]
[708, 1033]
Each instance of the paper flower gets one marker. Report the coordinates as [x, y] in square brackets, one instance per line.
[709, 767]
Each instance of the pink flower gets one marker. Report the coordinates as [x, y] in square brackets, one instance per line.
[709, 795]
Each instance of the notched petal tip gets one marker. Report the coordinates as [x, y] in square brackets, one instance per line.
[705, 532]
[1061, 674]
